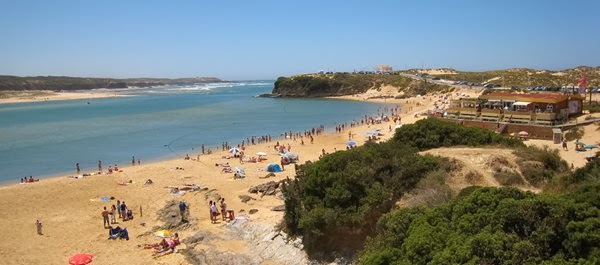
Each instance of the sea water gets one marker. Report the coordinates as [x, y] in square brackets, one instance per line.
[44, 139]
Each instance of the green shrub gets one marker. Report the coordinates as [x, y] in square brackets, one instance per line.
[574, 133]
[432, 133]
[492, 226]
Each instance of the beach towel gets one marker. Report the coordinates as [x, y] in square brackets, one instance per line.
[102, 198]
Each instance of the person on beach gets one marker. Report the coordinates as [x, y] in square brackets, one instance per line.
[124, 211]
[38, 226]
[169, 247]
[119, 208]
[182, 210]
[78, 169]
[32, 180]
[100, 166]
[209, 210]
[214, 212]
[105, 220]
[223, 209]
[564, 145]
[113, 213]
[157, 246]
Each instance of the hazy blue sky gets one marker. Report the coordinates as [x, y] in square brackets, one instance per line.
[245, 39]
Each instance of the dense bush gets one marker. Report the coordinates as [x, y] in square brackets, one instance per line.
[432, 133]
[344, 194]
[492, 226]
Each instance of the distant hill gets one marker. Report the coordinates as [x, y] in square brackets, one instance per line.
[519, 77]
[58, 83]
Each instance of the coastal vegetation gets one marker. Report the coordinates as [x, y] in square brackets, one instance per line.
[524, 77]
[65, 83]
[346, 203]
[340, 84]
[493, 226]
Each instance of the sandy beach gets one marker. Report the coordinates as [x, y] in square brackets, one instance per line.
[70, 208]
[46, 95]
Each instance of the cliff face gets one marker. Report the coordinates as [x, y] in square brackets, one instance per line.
[321, 85]
[57, 83]
[316, 86]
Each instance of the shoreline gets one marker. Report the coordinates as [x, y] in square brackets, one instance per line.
[30, 96]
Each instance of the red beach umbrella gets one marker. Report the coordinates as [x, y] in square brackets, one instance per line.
[80, 259]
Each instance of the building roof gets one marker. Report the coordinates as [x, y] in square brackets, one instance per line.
[530, 97]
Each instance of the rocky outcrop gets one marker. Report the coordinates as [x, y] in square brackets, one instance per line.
[245, 198]
[264, 245]
[269, 188]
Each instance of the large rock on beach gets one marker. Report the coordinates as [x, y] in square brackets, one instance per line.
[245, 198]
[269, 188]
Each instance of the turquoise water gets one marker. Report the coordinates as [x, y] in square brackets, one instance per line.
[48, 138]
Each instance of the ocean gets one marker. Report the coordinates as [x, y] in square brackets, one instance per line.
[44, 139]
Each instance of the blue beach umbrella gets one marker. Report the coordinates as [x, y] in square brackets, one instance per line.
[351, 143]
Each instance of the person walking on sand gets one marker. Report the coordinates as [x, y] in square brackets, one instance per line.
[113, 214]
[105, 220]
[38, 225]
[182, 209]
[564, 145]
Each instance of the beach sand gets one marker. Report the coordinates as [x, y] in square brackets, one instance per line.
[46, 95]
[70, 209]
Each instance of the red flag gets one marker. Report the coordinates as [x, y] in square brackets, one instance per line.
[582, 83]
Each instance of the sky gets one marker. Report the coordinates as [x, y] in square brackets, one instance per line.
[254, 40]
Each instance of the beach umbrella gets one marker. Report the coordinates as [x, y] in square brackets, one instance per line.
[261, 154]
[523, 133]
[351, 143]
[289, 155]
[372, 133]
[81, 259]
[163, 233]
[234, 150]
